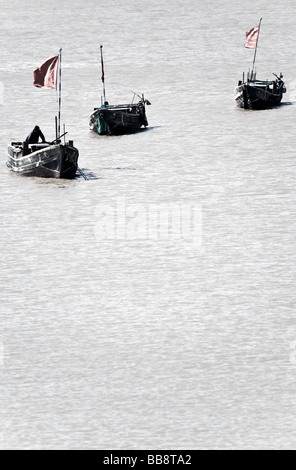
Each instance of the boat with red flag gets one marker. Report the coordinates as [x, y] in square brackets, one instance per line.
[118, 119]
[55, 159]
[252, 93]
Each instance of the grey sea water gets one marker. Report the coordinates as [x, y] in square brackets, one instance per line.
[118, 330]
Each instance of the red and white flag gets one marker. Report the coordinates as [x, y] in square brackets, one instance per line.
[46, 75]
[252, 38]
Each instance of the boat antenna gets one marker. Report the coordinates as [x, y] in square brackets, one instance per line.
[136, 94]
[256, 49]
[103, 74]
[60, 93]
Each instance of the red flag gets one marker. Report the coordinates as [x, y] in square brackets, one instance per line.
[46, 75]
[102, 64]
[252, 38]
[103, 74]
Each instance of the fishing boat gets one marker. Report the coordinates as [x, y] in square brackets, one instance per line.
[252, 93]
[47, 159]
[118, 119]
[259, 94]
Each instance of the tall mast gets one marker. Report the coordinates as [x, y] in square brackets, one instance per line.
[60, 93]
[103, 74]
[256, 49]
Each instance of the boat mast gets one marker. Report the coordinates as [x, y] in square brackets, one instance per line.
[60, 94]
[103, 74]
[256, 50]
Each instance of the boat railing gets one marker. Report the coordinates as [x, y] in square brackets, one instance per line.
[38, 146]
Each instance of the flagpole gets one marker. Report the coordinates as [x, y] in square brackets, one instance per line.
[103, 74]
[60, 92]
[256, 49]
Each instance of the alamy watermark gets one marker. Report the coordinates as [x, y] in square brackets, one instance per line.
[178, 222]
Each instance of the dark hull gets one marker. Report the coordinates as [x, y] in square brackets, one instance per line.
[249, 96]
[118, 120]
[51, 161]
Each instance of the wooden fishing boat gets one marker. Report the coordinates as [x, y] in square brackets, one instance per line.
[258, 94]
[46, 160]
[118, 119]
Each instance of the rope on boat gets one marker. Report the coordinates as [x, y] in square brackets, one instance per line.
[82, 174]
